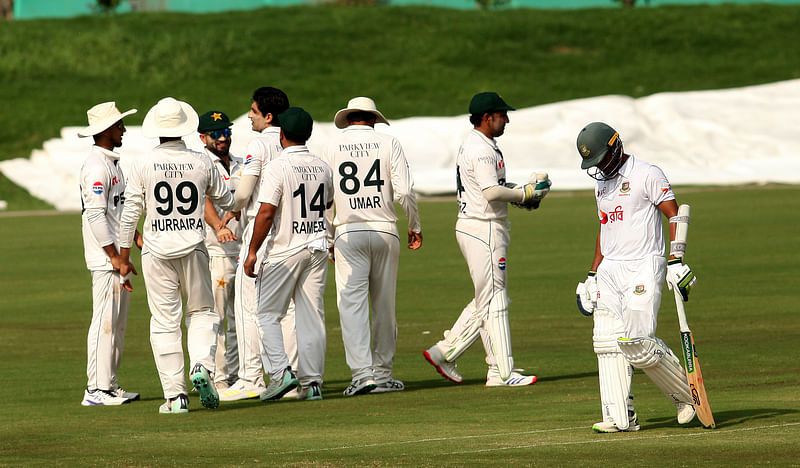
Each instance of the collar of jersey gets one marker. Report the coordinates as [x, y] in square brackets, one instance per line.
[109, 154]
[489, 141]
[358, 128]
[271, 130]
[295, 149]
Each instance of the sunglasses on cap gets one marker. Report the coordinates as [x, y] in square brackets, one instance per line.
[217, 134]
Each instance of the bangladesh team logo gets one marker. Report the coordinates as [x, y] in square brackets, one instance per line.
[97, 188]
[501, 264]
[639, 290]
[626, 187]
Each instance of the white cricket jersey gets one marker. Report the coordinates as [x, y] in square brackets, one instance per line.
[479, 165]
[261, 150]
[300, 185]
[170, 183]
[102, 188]
[370, 172]
[627, 206]
[231, 180]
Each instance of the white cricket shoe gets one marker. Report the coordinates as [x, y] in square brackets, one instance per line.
[609, 426]
[390, 385]
[359, 387]
[686, 413]
[447, 369]
[99, 397]
[310, 392]
[177, 405]
[516, 379]
[242, 390]
[121, 393]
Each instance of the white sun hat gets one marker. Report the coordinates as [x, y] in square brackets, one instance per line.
[103, 116]
[170, 118]
[358, 104]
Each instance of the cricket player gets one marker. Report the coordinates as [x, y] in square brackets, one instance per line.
[102, 189]
[171, 183]
[370, 173]
[223, 244]
[623, 288]
[296, 191]
[482, 235]
[267, 104]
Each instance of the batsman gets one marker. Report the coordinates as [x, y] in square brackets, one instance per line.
[623, 289]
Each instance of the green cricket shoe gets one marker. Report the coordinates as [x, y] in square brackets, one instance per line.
[278, 388]
[177, 405]
[209, 397]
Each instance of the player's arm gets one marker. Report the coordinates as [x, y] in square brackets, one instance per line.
[679, 275]
[403, 188]
[132, 210]
[263, 223]
[212, 218]
[501, 193]
[247, 184]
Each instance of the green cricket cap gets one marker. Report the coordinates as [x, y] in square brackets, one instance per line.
[482, 103]
[593, 143]
[213, 120]
[297, 122]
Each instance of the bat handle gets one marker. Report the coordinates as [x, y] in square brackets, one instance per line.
[682, 323]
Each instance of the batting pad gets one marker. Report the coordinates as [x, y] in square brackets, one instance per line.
[614, 371]
[464, 332]
[499, 333]
[656, 359]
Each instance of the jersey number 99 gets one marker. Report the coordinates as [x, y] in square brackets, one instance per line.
[163, 194]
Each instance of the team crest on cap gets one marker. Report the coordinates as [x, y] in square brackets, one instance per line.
[216, 116]
[501, 264]
[97, 188]
[639, 290]
[585, 151]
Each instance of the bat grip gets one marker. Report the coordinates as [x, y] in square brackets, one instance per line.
[682, 323]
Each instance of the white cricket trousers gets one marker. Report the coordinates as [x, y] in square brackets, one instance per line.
[367, 256]
[301, 277]
[165, 279]
[483, 244]
[107, 330]
[631, 290]
[248, 335]
[223, 274]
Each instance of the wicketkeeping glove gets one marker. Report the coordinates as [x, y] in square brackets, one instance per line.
[536, 189]
[586, 293]
[680, 276]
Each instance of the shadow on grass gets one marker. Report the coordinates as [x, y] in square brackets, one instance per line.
[726, 418]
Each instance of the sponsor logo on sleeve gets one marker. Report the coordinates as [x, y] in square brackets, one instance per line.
[97, 188]
[248, 159]
[501, 264]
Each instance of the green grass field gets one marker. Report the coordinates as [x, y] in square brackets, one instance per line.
[742, 245]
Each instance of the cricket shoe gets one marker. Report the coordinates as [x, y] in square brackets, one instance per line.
[516, 379]
[221, 386]
[310, 392]
[686, 413]
[391, 385]
[282, 386]
[359, 387]
[119, 392]
[177, 405]
[609, 426]
[242, 390]
[99, 397]
[209, 397]
[447, 369]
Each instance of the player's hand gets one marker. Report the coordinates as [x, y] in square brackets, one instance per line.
[680, 276]
[587, 295]
[250, 265]
[414, 240]
[225, 235]
[331, 256]
[125, 283]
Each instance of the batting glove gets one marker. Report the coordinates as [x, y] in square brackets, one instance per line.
[680, 276]
[586, 293]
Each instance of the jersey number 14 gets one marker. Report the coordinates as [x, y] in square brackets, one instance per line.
[317, 201]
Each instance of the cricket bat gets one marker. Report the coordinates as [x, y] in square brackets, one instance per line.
[691, 361]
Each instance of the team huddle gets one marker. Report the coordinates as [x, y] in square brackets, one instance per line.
[247, 242]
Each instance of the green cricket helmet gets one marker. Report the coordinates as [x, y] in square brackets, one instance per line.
[594, 143]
